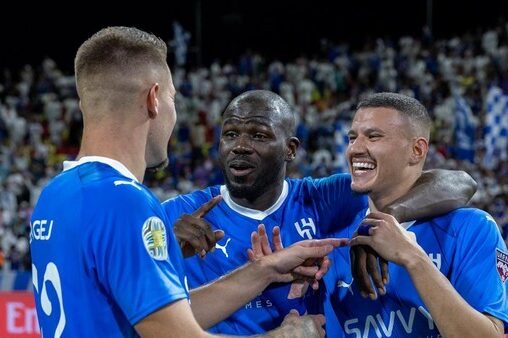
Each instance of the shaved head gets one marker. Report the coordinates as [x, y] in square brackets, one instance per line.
[269, 103]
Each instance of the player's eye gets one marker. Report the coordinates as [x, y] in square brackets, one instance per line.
[260, 136]
[230, 134]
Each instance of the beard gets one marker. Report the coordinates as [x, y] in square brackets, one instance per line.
[267, 177]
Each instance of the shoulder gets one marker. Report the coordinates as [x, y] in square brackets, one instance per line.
[99, 185]
[107, 189]
[192, 200]
[464, 221]
[341, 180]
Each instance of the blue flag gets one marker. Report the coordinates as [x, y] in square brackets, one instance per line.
[341, 141]
[465, 129]
[496, 128]
[179, 43]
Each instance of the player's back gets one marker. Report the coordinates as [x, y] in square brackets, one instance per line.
[73, 217]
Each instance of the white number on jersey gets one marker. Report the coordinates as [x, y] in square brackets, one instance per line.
[52, 276]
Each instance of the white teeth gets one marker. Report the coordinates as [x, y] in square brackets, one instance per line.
[363, 165]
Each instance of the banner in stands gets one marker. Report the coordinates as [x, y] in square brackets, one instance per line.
[18, 318]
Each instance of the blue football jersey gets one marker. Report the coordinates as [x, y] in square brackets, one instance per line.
[307, 208]
[102, 257]
[465, 245]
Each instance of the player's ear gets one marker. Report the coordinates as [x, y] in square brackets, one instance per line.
[419, 150]
[292, 145]
[152, 103]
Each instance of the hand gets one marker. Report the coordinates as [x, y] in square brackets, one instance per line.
[194, 234]
[365, 267]
[303, 260]
[296, 326]
[261, 247]
[386, 236]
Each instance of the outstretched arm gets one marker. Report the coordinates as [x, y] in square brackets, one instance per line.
[436, 192]
[232, 291]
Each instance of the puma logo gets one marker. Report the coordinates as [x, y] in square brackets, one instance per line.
[133, 183]
[344, 284]
[223, 247]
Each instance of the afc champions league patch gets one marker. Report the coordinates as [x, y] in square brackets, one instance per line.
[502, 264]
[154, 237]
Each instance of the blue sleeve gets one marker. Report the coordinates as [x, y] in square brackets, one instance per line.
[476, 276]
[175, 207]
[340, 204]
[137, 259]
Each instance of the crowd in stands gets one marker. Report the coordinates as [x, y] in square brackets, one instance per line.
[40, 120]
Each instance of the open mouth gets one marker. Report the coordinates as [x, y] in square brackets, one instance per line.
[240, 168]
[361, 168]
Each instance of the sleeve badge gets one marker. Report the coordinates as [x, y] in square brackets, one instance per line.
[502, 264]
[154, 238]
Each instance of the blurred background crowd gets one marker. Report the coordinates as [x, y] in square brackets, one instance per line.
[462, 80]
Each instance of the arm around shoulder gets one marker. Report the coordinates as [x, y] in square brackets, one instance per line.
[436, 192]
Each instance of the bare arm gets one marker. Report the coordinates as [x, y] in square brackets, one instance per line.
[234, 290]
[436, 192]
[446, 306]
[174, 320]
[228, 294]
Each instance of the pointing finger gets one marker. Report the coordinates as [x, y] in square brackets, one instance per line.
[205, 208]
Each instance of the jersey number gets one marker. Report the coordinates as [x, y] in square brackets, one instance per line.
[52, 276]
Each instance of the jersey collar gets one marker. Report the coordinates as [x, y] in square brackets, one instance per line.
[252, 213]
[109, 161]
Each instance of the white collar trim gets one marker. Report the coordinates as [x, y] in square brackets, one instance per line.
[252, 213]
[106, 160]
[405, 225]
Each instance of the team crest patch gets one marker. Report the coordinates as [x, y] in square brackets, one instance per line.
[502, 264]
[154, 237]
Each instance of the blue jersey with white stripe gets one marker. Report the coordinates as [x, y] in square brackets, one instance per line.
[102, 257]
[307, 208]
[465, 245]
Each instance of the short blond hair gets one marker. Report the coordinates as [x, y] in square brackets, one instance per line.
[117, 53]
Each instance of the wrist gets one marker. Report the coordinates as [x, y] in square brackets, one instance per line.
[264, 271]
[415, 260]
[279, 332]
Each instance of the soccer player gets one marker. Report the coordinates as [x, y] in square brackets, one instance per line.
[256, 144]
[104, 264]
[450, 271]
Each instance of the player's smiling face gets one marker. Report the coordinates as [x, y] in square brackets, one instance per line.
[252, 148]
[378, 150]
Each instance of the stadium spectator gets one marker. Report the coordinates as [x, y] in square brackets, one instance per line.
[35, 99]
